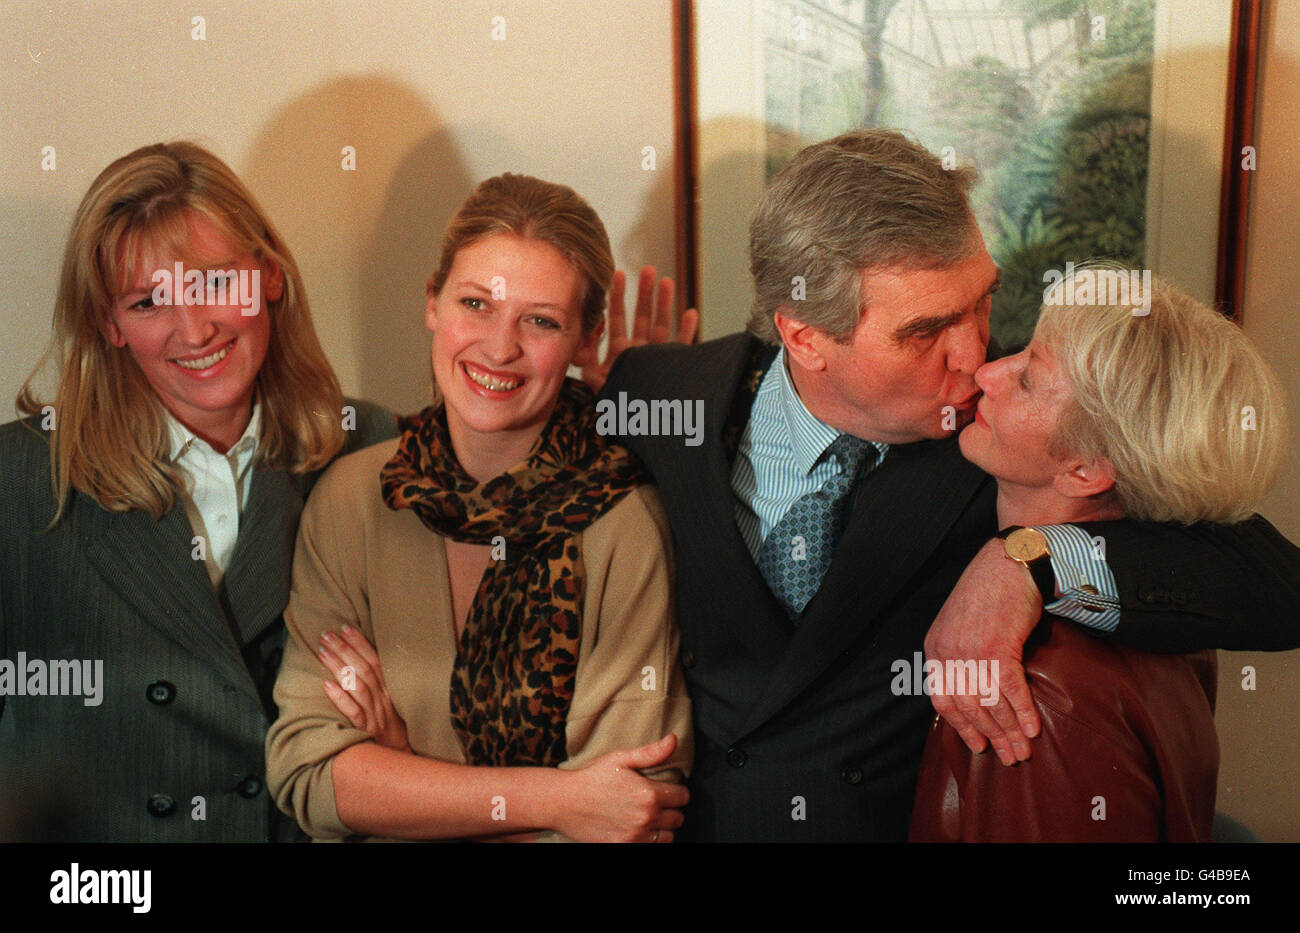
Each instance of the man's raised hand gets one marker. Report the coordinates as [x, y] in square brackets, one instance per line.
[652, 321]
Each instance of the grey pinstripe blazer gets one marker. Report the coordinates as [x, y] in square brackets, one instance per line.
[173, 751]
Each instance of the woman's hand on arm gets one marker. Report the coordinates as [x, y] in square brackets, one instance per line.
[383, 792]
[609, 801]
[606, 801]
[360, 693]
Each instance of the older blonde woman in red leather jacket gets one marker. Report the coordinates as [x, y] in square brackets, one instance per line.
[1157, 409]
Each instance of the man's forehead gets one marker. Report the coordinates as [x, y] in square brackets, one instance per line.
[907, 296]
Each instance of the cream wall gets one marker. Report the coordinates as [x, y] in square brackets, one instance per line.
[1258, 779]
[431, 102]
[1188, 103]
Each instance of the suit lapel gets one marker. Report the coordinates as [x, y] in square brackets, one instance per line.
[765, 633]
[901, 514]
[149, 565]
[257, 580]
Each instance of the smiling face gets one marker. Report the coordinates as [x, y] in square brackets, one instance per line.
[914, 352]
[201, 359]
[506, 325]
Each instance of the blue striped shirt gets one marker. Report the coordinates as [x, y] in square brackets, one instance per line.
[781, 457]
[1090, 595]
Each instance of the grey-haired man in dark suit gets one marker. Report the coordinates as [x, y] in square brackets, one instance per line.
[828, 515]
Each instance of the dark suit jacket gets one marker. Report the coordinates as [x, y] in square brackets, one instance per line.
[798, 734]
[187, 673]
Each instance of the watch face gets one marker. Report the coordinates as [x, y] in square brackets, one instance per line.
[1025, 544]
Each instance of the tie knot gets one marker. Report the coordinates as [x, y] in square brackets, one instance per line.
[850, 451]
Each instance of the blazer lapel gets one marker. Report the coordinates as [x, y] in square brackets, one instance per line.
[257, 580]
[149, 565]
[901, 514]
[765, 633]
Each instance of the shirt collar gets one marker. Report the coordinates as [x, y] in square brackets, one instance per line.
[809, 437]
[181, 438]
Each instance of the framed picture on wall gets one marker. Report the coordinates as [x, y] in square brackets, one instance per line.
[1098, 127]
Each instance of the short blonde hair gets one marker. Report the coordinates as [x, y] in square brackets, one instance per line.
[533, 209]
[869, 199]
[110, 440]
[1177, 399]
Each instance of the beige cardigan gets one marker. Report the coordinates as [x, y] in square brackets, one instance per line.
[359, 562]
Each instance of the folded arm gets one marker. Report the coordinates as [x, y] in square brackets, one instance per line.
[337, 781]
[1180, 589]
[629, 688]
[385, 789]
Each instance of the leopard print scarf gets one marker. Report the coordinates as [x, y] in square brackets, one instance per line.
[516, 660]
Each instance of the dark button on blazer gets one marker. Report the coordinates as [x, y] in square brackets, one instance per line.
[174, 748]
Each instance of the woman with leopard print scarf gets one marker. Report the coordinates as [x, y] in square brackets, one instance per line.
[488, 599]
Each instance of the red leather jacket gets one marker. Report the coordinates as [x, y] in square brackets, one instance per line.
[1127, 753]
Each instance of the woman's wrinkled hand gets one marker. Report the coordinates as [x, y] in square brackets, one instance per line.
[609, 801]
[358, 690]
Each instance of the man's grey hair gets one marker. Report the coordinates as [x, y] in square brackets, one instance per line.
[870, 199]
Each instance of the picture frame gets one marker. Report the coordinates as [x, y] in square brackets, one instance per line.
[1202, 84]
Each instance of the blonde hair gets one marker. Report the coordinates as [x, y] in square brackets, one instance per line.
[111, 439]
[870, 199]
[537, 210]
[1173, 394]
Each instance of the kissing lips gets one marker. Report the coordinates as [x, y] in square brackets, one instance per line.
[970, 400]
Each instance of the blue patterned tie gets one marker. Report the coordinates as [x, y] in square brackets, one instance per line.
[797, 553]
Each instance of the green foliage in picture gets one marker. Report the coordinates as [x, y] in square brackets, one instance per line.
[1073, 184]
[1062, 143]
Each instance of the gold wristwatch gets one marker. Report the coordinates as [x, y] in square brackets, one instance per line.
[1028, 546]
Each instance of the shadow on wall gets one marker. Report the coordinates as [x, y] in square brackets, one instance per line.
[31, 276]
[645, 242]
[730, 184]
[367, 234]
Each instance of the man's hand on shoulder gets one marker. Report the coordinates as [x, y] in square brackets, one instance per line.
[988, 617]
[652, 321]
